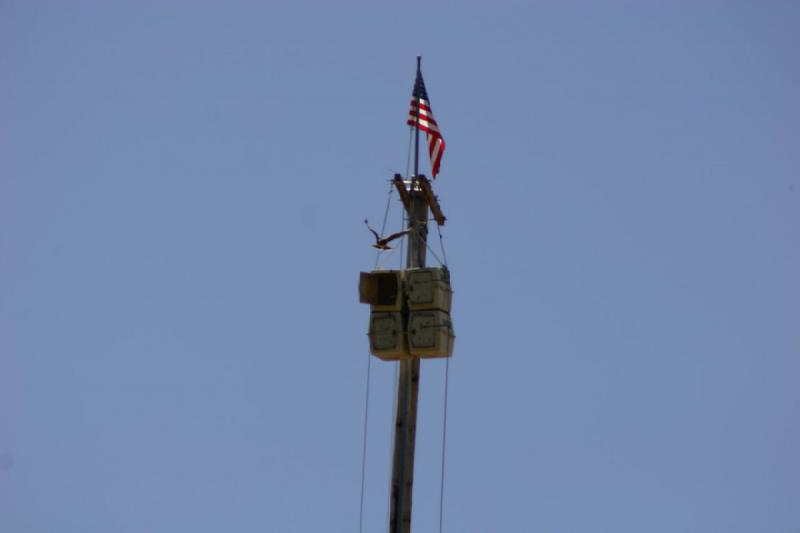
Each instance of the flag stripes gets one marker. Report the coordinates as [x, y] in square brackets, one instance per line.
[426, 123]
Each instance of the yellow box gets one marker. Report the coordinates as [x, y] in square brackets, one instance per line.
[382, 289]
[428, 289]
[387, 339]
[430, 334]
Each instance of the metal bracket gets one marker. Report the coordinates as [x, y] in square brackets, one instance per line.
[424, 185]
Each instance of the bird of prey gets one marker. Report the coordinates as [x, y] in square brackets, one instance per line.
[383, 243]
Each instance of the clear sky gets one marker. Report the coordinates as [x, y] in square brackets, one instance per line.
[182, 190]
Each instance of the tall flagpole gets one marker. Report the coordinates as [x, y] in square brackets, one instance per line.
[408, 379]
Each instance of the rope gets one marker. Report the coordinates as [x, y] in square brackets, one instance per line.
[441, 244]
[444, 443]
[446, 390]
[403, 211]
[364, 448]
[385, 218]
[434, 253]
[403, 240]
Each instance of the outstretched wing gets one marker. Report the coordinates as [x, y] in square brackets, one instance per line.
[393, 236]
[377, 237]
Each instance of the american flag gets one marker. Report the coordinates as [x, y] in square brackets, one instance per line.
[426, 123]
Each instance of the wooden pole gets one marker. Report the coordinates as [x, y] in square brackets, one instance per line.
[408, 384]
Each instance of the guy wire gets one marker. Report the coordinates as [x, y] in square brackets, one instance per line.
[364, 447]
[444, 443]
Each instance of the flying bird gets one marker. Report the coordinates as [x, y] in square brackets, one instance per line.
[383, 243]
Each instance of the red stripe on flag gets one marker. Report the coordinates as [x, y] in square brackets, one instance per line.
[421, 116]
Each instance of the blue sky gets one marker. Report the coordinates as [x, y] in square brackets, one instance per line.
[182, 190]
